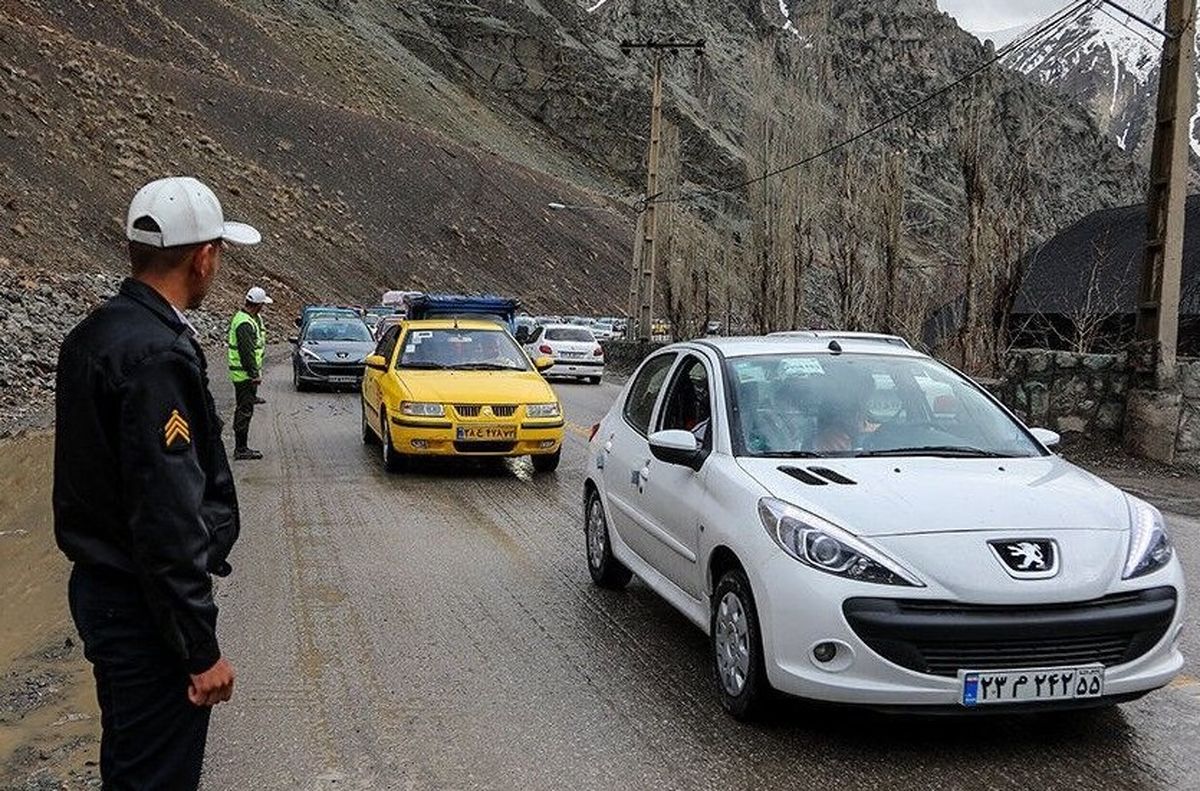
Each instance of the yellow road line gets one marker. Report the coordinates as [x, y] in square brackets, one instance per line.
[580, 430]
[1185, 682]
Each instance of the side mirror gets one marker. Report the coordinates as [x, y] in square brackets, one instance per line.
[543, 363]
[294, 340]
[376, 362]
[1045, 436]
[677, 447]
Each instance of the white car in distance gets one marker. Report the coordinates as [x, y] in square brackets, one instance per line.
[851, 521]
[575, 350]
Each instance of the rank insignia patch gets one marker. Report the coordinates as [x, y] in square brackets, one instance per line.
[176, 432]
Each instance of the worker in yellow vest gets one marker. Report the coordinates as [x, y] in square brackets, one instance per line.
[247, 341]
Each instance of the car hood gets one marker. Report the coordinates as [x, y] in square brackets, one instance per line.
[341, 351]
[477, 387]
[910, 496]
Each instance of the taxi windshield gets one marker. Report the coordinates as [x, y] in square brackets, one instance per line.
[863, 405]
[461, 350]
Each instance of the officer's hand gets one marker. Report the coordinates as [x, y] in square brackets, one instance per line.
[256, 381]
[213, 686]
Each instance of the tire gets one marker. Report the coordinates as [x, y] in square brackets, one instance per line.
[368, 434]
[736, 643]
[297, 382]
[606, 570]
[594, 380]
[546, 462]
[392, 461]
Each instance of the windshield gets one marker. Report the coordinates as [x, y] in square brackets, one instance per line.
[482, 350]
[339, 330]
[865, 405]
[569, 334]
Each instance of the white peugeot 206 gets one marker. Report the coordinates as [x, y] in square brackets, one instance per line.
[851, 521]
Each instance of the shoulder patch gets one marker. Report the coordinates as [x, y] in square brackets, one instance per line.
[177, 435]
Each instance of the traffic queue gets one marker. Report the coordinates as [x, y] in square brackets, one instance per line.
[447, 375]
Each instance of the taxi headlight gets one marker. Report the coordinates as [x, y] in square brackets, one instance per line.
[1149, 547]
[422, 409]
[542, 410]
[826, 547]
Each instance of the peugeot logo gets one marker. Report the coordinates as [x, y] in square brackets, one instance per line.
[1029, 558]
[343, 355]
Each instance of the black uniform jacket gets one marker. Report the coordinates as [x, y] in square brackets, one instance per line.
[142, 484]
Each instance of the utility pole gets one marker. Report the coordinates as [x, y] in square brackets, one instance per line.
[1152, 413]
[641, 290]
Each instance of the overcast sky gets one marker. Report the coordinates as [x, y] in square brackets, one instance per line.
[988, 15]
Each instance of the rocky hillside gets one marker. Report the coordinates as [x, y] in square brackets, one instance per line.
[1110, 63]
[417, 144]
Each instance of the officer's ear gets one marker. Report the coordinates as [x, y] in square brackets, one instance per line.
[202, 269]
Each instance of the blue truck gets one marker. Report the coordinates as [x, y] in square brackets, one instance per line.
[442, 306]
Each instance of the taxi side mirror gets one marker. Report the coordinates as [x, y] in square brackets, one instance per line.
[376, 362]
[543, 363]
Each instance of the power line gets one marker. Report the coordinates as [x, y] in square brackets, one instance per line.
[1038, 31]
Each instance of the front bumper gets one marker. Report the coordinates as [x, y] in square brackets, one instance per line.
[798, 611]
[439, 437]
[331, 374]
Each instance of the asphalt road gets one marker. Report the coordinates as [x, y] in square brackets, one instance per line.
[439, 630]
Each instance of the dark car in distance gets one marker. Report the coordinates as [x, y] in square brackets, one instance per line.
[329, 352]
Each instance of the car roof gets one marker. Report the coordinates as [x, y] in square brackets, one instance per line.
[801, 343]
[839, 335]
[566, 327]
[453, 324]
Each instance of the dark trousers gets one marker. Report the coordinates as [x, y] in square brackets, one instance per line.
[152, 737]
[245, 392]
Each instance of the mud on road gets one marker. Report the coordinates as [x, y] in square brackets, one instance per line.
[439, 630]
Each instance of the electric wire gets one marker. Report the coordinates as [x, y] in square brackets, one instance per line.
[1068, 13]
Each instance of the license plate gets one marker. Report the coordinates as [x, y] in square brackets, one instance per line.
[343, 380]
[981, 688]
[486, 433]
[572, 354]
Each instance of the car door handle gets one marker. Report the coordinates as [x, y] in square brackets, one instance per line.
[608, 446]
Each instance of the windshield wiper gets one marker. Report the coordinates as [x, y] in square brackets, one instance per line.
[937, 450]
[486, 367]
[790, 454]
[424, 366]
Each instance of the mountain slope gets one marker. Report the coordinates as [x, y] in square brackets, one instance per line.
[1110, 63]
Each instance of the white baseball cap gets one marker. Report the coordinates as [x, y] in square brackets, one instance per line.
[186, 212]
[256, 296]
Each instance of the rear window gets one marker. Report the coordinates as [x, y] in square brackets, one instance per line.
[569, 334]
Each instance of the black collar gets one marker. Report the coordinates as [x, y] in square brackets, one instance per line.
[150, 299]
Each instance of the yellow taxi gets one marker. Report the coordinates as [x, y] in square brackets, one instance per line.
[458, 387]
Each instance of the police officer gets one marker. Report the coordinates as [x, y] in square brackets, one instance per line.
[247, 341]
[144, 502]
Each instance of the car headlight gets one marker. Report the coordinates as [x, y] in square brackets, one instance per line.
[422, 409]
[826, 547]
[310, 355]
[542, 410]
[1149, 547]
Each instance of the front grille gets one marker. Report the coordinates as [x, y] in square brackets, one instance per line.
[484, 447]
[335, 369]
[475, 410]
[942, 638]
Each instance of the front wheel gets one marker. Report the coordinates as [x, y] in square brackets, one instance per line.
[368, 434]
[392, 461]
[606, 570]
[594, 380]
[297, 382]
[547, 462]
[737, 648]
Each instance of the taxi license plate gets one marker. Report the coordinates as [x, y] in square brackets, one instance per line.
[982, 688]
[486, 433]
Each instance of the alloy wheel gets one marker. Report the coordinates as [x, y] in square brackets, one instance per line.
[596, 533]
[732, 643]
